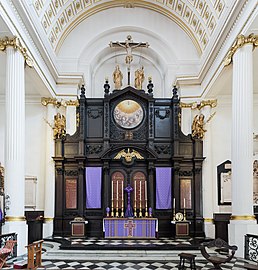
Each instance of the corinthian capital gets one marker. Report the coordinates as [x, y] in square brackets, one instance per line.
[16, 44]
[240, 41]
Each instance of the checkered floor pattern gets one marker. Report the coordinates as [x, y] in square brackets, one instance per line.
[97, 243]
[133, 265]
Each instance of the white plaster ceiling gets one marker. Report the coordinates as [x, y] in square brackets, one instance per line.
[74, 35]
[198, 18]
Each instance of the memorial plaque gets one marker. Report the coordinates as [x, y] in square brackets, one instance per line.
[71, 193]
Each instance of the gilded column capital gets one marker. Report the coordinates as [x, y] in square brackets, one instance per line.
[45, 101]
[72, 102]
[210, 102]
[16, 44]
[240, 41]
[194, 105]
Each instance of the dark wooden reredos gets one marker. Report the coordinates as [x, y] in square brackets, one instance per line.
[98, 139]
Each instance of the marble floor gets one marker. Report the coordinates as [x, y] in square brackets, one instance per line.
[121, 254]
[235, 264]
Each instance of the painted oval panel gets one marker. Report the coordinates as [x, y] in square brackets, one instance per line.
[128, 114]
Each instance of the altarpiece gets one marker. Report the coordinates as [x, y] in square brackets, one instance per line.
[128, 160]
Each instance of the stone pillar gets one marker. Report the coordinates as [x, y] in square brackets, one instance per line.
[15, 140]
[242, 219]
[50, 174]
[207, 182]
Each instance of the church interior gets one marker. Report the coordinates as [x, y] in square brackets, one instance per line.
[130, 121]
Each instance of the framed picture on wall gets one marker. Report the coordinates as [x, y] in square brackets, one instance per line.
[224, 183]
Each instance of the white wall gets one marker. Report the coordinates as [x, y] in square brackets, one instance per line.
[35, 147]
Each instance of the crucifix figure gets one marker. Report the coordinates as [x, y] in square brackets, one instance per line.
[129, 45]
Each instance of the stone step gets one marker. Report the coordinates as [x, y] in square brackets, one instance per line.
[54, 253]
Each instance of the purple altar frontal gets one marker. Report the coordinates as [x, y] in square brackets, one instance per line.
[130, 227]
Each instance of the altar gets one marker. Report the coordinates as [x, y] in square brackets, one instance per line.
[130, 227]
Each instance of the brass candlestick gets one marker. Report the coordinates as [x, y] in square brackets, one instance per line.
[117, 208]
[146, 209]
[174, 214]
[112, 208]
[140, 213]
[135, 213]
[122, 211]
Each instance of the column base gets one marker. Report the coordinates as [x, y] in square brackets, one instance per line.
[48, 228]
[20, 228]
[237, 229]
[209, 229]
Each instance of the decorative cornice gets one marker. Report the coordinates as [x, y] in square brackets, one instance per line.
[242, 218]
[9, 218]
[58, 103]
[240, 41]
[194, 105]
[16, 44]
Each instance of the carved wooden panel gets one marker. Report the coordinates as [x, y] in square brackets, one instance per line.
[95, 122]
[162, 122]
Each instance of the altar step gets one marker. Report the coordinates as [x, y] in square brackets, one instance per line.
[116, 255]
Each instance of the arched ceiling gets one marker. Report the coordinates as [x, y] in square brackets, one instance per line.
[198, 18]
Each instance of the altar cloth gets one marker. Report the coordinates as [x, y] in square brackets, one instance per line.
[130, 227]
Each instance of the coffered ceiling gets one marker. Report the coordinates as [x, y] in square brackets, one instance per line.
[198, 18]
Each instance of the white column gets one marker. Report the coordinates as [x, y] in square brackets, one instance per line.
[50, 174]
[207, 176]
[15, 146]
[242, 220]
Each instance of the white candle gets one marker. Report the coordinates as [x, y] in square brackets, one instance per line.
[140, 191]
[112, 193]
[184, 202]
[145, 183]
[122, 190]
[117, 191]
[174, 203]
[135, 190]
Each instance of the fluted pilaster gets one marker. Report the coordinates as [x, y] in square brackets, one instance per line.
[242, 219]
[242, 132]
[208, 190]
[15, 132]
[50, 173]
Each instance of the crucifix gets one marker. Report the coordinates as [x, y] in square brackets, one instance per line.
[128, 45]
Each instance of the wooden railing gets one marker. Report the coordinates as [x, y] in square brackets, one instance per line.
[9, 236]
[34, 254]
[251, 247]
